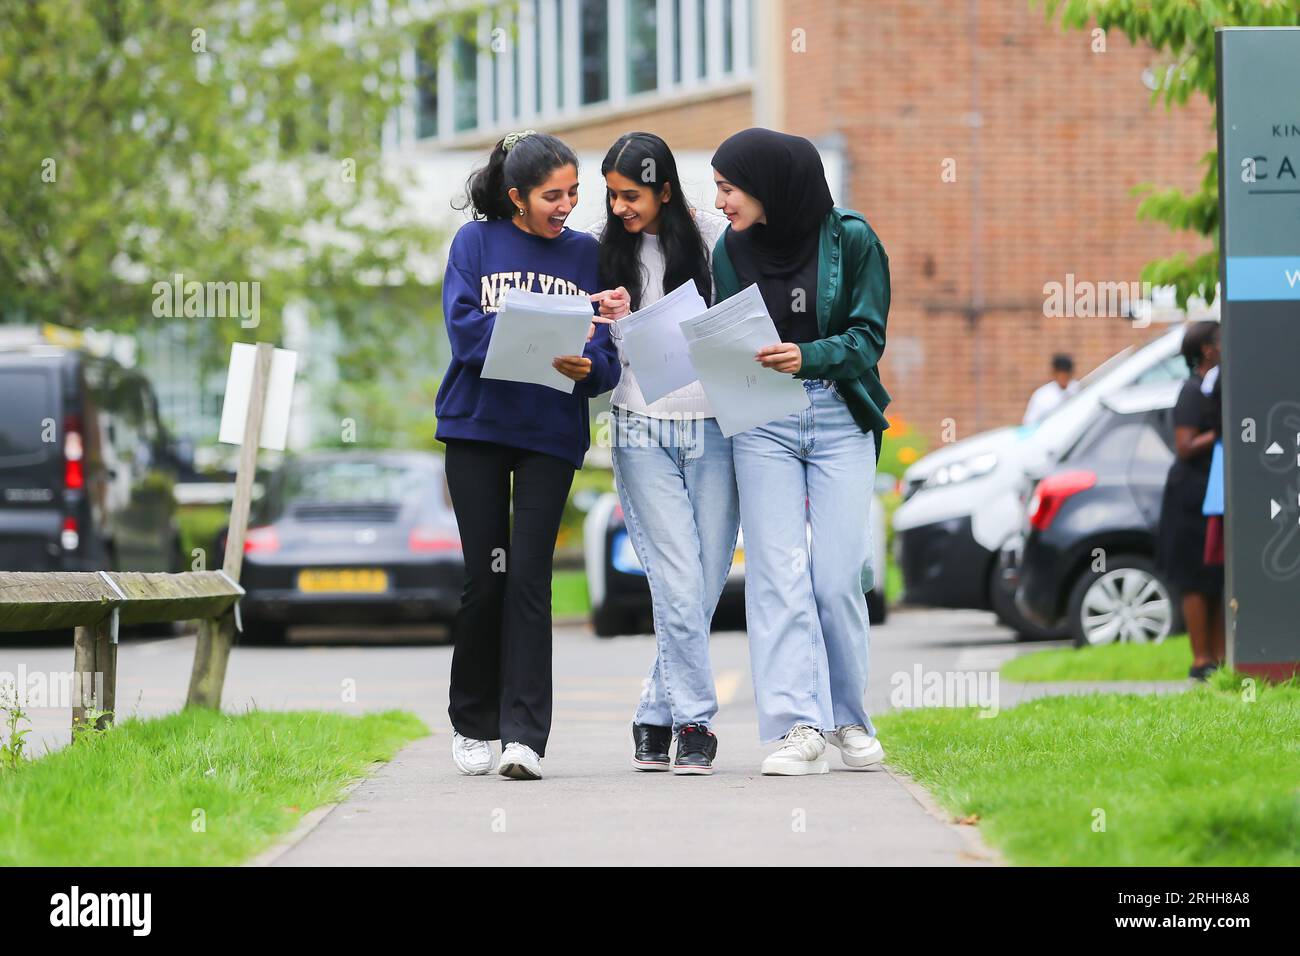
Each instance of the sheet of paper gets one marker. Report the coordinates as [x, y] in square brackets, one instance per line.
[531, 330]
[746, 302]
[654, 345]
[741, 392]
[239, 388]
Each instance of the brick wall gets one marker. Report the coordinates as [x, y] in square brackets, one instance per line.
[1043, 184]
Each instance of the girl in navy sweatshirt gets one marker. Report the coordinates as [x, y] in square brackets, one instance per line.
[495, 430]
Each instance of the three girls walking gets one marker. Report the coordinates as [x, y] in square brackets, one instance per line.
[801, 486]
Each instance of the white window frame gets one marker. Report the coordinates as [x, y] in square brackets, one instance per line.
[562, 51]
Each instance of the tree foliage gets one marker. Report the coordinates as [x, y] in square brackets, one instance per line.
[227, 142]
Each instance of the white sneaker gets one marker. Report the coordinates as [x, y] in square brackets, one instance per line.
[857, 747]
[801, 753]
[473, 757]
[520, 762]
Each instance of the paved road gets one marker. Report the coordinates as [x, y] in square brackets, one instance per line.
[591, 808]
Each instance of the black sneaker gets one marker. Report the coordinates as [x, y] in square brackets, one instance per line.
[696, 748]
[652, 745]
[1202, 672]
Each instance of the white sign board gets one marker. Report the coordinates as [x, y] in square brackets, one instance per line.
[239, 387]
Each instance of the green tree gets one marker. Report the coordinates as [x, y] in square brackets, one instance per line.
[226, 142]
[1182, 31]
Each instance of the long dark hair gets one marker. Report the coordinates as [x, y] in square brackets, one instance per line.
[645, 158]
[1195, 338]
[524, 166]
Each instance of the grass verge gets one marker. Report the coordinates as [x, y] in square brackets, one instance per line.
[1210, 777]
[193, 788]
[569, 594]
[1168, 660]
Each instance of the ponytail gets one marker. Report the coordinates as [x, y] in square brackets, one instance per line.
[521, 161]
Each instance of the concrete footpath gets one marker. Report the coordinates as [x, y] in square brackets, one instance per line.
[593, 808]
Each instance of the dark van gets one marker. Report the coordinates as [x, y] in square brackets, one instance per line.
[86, 467]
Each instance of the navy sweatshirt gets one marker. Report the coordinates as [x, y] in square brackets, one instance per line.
[487, 258]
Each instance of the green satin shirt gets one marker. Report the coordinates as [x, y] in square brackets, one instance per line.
[852, 308]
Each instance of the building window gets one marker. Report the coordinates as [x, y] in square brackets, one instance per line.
[594, 46]
[426, 85]
[537, 57]
[728, 29]
[464, 54]
[559, 60]
[701, 37]
[583, 53]
[642, 45]
[677, 41]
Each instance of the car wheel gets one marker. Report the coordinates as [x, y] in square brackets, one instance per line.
[877, 611]
[611, 621]
[1129, 601]
[1003, 602]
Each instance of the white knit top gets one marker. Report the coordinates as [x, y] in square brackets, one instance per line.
[689, 401]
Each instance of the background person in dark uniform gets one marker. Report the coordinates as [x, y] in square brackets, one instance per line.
[1181, 545]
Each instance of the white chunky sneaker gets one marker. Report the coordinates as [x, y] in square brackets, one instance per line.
[801, 753]
[473, 757]
[858, 748]
[520, 762]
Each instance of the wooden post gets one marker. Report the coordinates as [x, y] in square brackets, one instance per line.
[106, 671]
[210, 658]
[215, 637]
[83, 670]
[94, 664]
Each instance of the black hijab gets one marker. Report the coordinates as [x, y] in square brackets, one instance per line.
[785, 174]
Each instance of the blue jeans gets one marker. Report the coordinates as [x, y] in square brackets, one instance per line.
[807, 613]
[677, 483]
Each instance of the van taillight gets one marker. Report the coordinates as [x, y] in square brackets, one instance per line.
[73, 476]
[1051, 494]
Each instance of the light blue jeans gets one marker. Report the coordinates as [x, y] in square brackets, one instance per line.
[807, 614]
[677, 482]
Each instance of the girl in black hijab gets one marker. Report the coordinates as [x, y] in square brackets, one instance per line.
[824, 278]
[779, 252]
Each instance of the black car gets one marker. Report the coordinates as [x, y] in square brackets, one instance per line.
[1088, 556]
[86, 468]
[351, 537]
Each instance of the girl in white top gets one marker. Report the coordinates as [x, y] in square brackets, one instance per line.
[672, 465]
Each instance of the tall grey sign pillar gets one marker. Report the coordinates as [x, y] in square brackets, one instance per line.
[1258, 73]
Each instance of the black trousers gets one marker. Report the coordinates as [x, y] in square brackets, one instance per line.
[501, 665]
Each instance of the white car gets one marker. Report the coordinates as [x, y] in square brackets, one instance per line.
[964, 503]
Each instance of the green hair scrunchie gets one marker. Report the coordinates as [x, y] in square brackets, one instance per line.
[512, 138]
